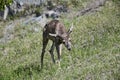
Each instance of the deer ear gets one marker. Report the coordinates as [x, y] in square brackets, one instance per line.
[71, 28]
[54, 35]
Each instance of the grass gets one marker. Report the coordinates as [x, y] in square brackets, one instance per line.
[95, 53]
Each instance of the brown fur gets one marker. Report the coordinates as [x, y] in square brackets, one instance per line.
[59, 36]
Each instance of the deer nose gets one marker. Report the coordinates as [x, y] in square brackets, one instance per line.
[69, 49]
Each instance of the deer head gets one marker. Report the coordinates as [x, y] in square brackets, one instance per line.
[64, 38]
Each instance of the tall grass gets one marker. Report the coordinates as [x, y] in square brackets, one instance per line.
[95, 53]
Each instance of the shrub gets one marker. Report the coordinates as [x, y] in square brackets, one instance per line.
[4, 2]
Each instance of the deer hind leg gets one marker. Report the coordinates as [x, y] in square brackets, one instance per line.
[58, 48]
[51, 52]
[45, 41]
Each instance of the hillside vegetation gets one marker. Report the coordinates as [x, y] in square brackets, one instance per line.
[95, 53]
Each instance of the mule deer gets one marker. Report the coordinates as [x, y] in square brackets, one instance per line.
[55, 31]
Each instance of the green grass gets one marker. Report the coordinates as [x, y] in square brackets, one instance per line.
[95, 51]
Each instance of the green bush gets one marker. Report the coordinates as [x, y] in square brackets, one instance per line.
[4, 2]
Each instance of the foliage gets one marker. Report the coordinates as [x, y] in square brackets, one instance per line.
[4, 2]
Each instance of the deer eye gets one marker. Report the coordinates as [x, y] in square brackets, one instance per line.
[63, 41]
[69, 39]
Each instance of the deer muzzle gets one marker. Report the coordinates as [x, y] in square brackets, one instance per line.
[68, 46]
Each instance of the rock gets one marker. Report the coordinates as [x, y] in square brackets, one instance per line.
[91, 7]
[52, 14]
[60, 8]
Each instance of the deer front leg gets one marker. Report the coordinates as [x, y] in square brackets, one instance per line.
[51, 52]
[45, 41]
[58, 48]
